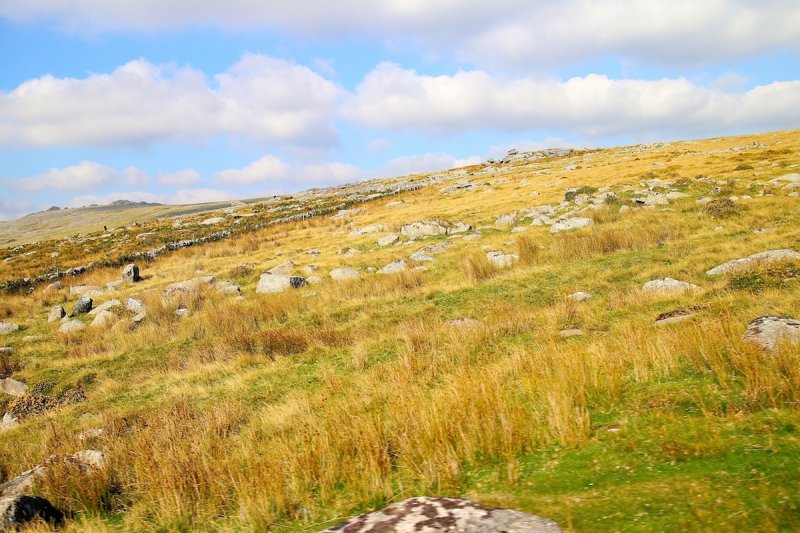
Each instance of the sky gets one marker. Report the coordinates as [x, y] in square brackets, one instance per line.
[185, 101]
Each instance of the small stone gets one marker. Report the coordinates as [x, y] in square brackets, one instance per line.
[388, 240]
[71, 326]
[464, 322]
[771, 256]
[16, 511]
[12, 387]
[394, 267]
[56, 314]
[8, 327]
[131, 273]
[104, 319]
[570, 224]
[501, 259]
[343, 273]
[575, 332]
[580, 296]
[668, 286]
[283, 269]
[82, 306]
[135, 306]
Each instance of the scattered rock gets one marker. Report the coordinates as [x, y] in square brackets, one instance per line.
[135, 306]
[273, 283]
[570, 224]
[501, 259]
[104, 319]
[565, 333]
[182, 312]
[71, 326]
[131, 273]
[8, 422]
[580, 296]
[440, 515]
[107, 306]
[343, 273]
[8, 327]
[418, 230]
[227, 287]
[56, 314]
[394, 267]
[464, 322]
[771, 256]
[313, 280]
[374, 228]
[283, 269]
[388, 240]
[677, 315]
[183, 291]
[668, 286]
[506, 220]
[82, 306]
[12, 387]
[16, 511]
[770, 331]
[212, 220]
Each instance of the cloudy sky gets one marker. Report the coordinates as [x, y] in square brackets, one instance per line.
[184, 101]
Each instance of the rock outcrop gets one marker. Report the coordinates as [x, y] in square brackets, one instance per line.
[769, 332]
[737, 265]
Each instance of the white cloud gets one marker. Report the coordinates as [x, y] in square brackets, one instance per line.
[391, 97]
[13, 209]
[260, 98]
[268, 168]
[200, 196]
[424, 163]
[83, 176]
[508, 32]
[187, 176]
[378, 144]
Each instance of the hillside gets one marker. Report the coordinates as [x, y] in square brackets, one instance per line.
[560, 333]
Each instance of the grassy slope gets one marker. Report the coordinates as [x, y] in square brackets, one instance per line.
[290, 412]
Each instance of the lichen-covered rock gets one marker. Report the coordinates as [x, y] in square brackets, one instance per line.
[501, 259]
[445, 515]
[104, 319]
[285, 268]
[394, 267]
[771, 331]
[464, 323]
[106, 306]
[16, 511]
[135, 306]
[227, 287]
[8, 421]
[56, 314]
[182, 292]
[82, 306]
[274, 283]
[71, 326]
[771, 256]
[424, 228]
[388, 240]
[343, 273]
[570, 224]
[668, 286]
[131, 273]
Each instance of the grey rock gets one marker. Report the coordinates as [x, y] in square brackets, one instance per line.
[104, 319]
[227, 287]
[343, 273]
[131, 273]
[8, 327]
[374, 228]
[574, 332]
[580, 296]
[771, 331]
[12, 387]
[182, 292]
[16, 511]
[394, 267]
[501, 259]
[771, 256]
[212, 220]
[8, 422]
[106, 306]
[570, 224]
[284, 268]
[388, 240]
[421, 229]
[668, 286]
[82, 306]
[445, 515]
[135, 306]
[56, 314]
[464, 323]
[273, 283]
[71, 326]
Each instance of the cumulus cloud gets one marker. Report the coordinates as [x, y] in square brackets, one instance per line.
[272, 170]
[83, 176]
[260, 98]
[187, 176]
[509, 32]
[391, 97]
[424, 163]
[378, 144]
[13, 209]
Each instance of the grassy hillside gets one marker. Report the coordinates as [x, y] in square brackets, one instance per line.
[294, 411]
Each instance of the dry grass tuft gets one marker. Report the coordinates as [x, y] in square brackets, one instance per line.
[478, 268]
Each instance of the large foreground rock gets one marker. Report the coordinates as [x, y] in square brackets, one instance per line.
[433, 515]
[668, 286]
[16, 511]
[274, 283]
[771, 331]
[737, 265]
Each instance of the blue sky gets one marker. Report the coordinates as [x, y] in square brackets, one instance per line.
[184, 101]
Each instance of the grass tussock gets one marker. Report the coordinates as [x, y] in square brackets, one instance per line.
[529, 251]
[478, 268]
[605, 240]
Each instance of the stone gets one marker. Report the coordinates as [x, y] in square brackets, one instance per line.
[771, 256]
[668, 286]
[313, 280]
[12, 387]
[566, 333]
[182, 292]
[388, 240]
[421, 229]
[86, 461]
[675, 316]
[135, 306]
[56, 314]
[8, 327]
[458, 227]
[506, 220]
[16, 511]
[464, 323]
[104, 319]
[182, 312]
[374, 228]
[284, 268]
[131, 273]
[769, 332]
[227, 287]
[501, 259]
[580, 296]
[270, 283]
[310, 269]
[212, 220]
[445, 515]
[82, 306]
[8, 422]
[71, 326]
[343, 273]
[107, 306]
[31, 338]
[570, 224]
[394, 267]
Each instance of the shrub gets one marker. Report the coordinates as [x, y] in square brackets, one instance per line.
[743, 166]
[721, 208]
